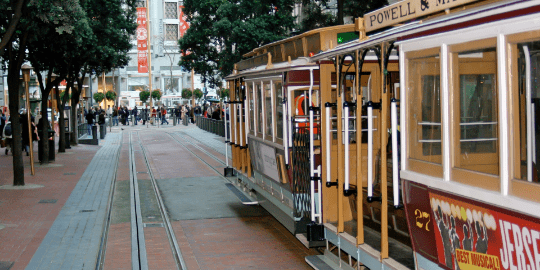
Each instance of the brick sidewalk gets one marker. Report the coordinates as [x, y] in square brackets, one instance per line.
[26, 215]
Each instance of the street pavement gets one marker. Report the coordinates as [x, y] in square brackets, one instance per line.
[57, 220]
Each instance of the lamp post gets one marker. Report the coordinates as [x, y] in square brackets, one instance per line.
[26, 75]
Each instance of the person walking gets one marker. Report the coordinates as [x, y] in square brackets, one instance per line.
[163, 115]
[154, 115]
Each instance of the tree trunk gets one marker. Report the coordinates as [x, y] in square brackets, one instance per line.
[62, 138]
[44, 136]
[18, 165]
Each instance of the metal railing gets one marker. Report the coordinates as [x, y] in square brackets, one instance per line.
[82, 129]
[211, 125]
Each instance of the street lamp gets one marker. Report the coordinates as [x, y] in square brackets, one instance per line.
[26, 75]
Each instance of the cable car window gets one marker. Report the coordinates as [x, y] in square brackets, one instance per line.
[476, 110]
[528, 92]
[278, 93]
[251, 105]
[258, 98]
[268, 110]
[425, 108]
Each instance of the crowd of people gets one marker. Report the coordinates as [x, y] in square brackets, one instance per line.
[118, 115]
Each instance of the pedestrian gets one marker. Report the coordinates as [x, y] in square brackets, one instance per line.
[163, 115]
[2, 121]
[216, 114]
[23, 120]
[178, 114]
[109, 111]
[154, 115]
[90, 120]
[144, 115]
[115, 117]
[135, 113]
[7, 136]
[101, 118]
[127, 113]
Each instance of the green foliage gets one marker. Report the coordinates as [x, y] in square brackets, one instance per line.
[110, 95]
[144, 95]
[198, 93]
[63, 93]
[186, 93]
[156, 94]
[223, 93]
[318, 13]
[222, 31]
[98, 97]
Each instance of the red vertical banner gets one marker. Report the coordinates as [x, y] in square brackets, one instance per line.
[184, 25]
[142, 36]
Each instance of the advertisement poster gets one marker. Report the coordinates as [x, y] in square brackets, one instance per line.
[142, 41]
[471, 237]
[263, 159]
[184, 25]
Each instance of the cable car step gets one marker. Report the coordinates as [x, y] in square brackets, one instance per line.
[243, 198]
[321, 262]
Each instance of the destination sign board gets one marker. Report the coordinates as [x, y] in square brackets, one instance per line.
[406, 10]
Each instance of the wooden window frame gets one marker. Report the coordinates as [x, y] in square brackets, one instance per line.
[274, 90]
[251, 125]
[517, 187]
[417, 165]
[468, 177]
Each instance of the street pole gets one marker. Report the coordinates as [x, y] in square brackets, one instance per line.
[193, 93]
[148, 47]
[26, 74]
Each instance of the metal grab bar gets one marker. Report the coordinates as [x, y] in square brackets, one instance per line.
[230, 121]
[395, 164]
[346, 142]
[246, 125]
[285, 130]
[240, 129]
[370, 149]
[528, 106]
[328, 143]
[226, 142]
[462, 140]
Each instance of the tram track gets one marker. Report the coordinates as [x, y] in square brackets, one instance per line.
[204, 151]
[139, 255]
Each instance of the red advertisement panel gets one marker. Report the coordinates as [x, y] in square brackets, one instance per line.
[184, 25]
[143, 61]
[473, 235]
[142, 37]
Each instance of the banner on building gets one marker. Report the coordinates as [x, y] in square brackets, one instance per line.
[184, 25]
[142, 40]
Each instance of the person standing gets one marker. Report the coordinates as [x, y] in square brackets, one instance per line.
[90, 120]
[178, 114]
[164, 115]
[2, 121]
[115, 117]
[144, 115]
[128, 113]
[135, 113]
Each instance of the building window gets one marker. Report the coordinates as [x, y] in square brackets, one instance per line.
[171, 32]
[171, 10]
[171, 85]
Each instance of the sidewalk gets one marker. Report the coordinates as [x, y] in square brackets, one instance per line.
[27, 214]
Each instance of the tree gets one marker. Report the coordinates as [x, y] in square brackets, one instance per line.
[98, 97]
[198, 94]
[110, 95]
[156, 94]
[20, 23]
[318, 13]
[222, 31]
[186, 93]
[223, 93]
[144, 95]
